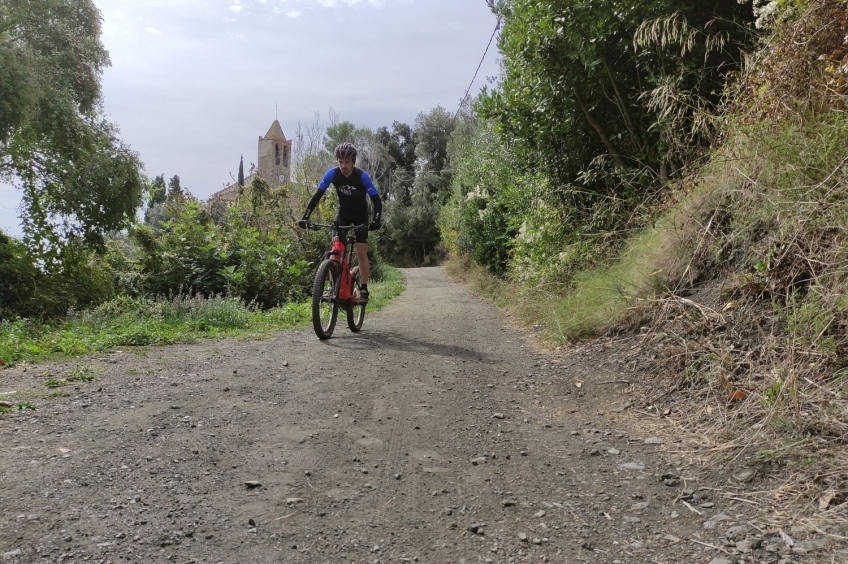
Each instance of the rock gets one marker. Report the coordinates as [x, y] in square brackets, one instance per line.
[744, 546]
[653, 441]
[745, 476]
[632, 466]
[251, 484]
[12, 553]
[773, 547]
[720, 561]
[720, 517]
[807, 546]
[736, 533]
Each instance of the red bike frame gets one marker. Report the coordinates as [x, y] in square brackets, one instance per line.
[335, 285]
[340, 254]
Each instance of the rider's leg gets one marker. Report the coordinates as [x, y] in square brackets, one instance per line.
[364, 265]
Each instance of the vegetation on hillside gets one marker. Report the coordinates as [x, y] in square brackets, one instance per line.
[731, 269]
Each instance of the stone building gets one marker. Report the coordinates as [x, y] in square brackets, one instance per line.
[274, 163]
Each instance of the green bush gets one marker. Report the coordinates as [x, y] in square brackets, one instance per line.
[20, 280]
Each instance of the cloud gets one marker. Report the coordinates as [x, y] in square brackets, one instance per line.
[236, 8]
[152, 31]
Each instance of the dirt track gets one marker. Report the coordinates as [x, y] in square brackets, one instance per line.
[437, 434]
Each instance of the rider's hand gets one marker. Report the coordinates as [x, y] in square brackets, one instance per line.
[303, 223]
[375, 226]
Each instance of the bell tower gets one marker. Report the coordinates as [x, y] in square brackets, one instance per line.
[275, 156]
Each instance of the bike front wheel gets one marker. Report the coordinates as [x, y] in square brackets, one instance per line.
[325, 308]
[355, 310]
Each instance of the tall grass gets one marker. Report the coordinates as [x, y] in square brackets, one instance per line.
[132, 322]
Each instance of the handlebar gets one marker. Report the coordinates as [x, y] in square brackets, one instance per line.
[317, 226]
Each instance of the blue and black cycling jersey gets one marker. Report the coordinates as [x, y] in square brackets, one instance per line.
[353, 192]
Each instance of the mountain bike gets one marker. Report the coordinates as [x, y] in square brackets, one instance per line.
[336, 283]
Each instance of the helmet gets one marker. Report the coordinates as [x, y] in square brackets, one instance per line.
[346, 151]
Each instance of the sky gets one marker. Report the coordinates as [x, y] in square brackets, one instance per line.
[193, 84]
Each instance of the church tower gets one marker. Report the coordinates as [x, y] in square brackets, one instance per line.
[275, 156]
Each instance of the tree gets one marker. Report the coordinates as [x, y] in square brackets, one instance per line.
[400, 143]
[432, 133]
[572, 102]
[339, 133]
[241, 172]
[79, 181]
[156, 195]
[174, 188]
[157, 192]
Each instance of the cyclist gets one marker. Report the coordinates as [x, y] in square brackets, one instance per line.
[353, 186]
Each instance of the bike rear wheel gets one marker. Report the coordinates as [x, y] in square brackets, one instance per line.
[355, 311]
[325, 308]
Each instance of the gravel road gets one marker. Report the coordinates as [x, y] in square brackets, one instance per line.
[438, 434]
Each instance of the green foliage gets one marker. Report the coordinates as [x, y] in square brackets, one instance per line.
[175, 190]
[157, 192]
[410, 234]
[250, 253]
[573, 102]
[20, 280]
[344, 132]
[400, 145]
[79, 181]
[51, 50]
[126, 321]
[26, 290]
[185, 257]
[264, 264]
[432, 136]
[489, 200]
[55, 383]
[20, 406]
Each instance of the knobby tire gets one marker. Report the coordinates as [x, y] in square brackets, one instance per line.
[355, 311]
[325, 308]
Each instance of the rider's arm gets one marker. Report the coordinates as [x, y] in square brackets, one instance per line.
[375, 197]
[319, 192]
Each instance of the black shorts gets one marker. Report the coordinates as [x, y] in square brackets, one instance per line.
[361, 234]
